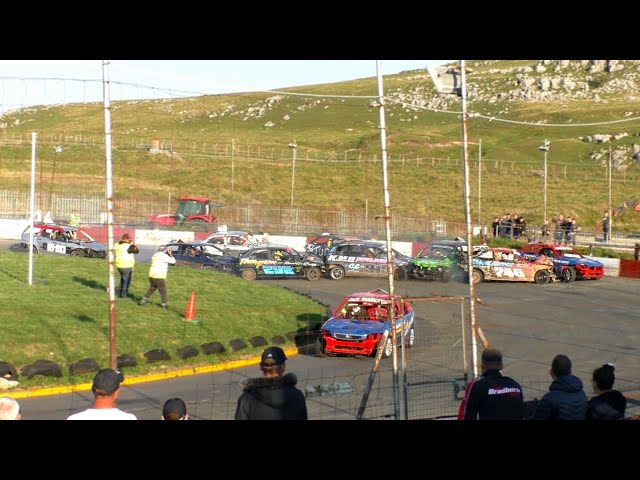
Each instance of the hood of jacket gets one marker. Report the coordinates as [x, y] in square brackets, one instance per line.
[567, 383]
[274, 391]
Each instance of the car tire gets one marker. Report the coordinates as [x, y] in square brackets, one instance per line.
[410, 338]
[477, 276]
[78, 253]
[313, 274]
[248, 274]
[446, 276]
[387, 350]
[336, 273]
[542, 276]
[319, 347]
[569, 274]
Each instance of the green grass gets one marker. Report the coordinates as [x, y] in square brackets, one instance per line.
[64, 315]
[338, 157]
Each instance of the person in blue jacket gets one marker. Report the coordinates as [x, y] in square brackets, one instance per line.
[565, 399]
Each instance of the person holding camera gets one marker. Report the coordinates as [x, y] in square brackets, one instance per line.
[125, 260]
[158, 274]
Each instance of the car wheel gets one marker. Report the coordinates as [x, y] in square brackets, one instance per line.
[388, 348]
[569, 274]
[313, 273]
[400, 273]
[319, 346]
[410, 338]
[77, 253]
[336, 273]
[477, 276]
[248, 274]
[446, 276]
[541, 277]
[209, 267]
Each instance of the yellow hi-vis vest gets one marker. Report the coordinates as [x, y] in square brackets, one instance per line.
[124, 259]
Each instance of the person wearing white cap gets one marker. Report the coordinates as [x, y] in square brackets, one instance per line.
[158, 274]
[273, 396]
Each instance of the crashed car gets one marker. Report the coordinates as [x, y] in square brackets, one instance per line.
[202, 256]
[321, 244]
[359, 322]
[506, 264]
[437, 261]
[232, 242]
[62, 240]
[365, 258]
[277, 261]
[569, 264]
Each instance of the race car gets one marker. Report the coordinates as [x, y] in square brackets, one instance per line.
[507, 264]
[438, 261]
[277, 261]
[62, 240]
[202, 256]
[365, 258]
[321, 244]
[359, 322]
[569, 264]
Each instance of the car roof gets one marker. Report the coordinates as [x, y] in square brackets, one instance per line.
[378, 294]
[231, 232]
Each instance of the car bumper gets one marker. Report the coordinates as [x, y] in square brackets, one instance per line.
[347, 347]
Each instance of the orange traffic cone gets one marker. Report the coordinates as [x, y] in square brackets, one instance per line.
[190, 312]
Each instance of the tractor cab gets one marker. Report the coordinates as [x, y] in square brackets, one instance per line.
[194, 208]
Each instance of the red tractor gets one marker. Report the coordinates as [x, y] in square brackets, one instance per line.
[191, 210]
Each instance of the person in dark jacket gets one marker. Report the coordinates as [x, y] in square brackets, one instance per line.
[565, 399]
[492, 396]
[608, 404]
[275, 395]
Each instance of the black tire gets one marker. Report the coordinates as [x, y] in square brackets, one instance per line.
[477, 276]
[313, 274]
[569, 274]
[78, 253]
[410, 338]
[319, 346]
[400, 273]
[387, 350]
[248, 274]
[542, 276]
[446, 276]
[336, 273]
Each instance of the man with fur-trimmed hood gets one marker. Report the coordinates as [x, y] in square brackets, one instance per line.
[273, 396]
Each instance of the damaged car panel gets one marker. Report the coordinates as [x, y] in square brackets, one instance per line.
[506, 264]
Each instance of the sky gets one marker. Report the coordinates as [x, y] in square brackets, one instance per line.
[43, 82]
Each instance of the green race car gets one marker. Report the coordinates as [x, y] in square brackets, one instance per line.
[436, 262]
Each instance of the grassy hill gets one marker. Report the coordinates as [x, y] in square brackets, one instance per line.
[233, 148]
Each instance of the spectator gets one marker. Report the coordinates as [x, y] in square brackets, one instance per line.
[572, 230]
[492, 396]
[545, 229]
[9, 409]
[608, 404]
[175, 409]
[558, 229]
[606, 226]
[125, 261]
[275, 395]
[158, 274]
[495, 227]
[565, 399]
[106, 392]
[74, 219]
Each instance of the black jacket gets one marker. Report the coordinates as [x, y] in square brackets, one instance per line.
[492, 397]
[275, 398]
[609, 405]
[565, 400]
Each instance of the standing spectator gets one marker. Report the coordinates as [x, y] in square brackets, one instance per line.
[492, 396]
[125, 252]
[9, 409]
[558, 229]
[74, 219]
[273, 396]
[572, 231]
[565, 399]
[106, 391]
[495, 227]
[608, 404]
[174, 409]
[158, 274]
[545, 229]
[606, 226]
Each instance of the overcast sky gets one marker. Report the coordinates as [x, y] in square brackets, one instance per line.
[37, 82]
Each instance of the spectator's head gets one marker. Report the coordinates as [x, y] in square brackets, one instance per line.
[9, 409]
[175, 409]
[126, 237]
[106, 384]
[491, 359]
[273, 362]
[560, 366]
[603, 378]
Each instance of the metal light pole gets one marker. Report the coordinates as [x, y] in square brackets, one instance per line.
[545, 149]
[479, 178]
[610, 211]
[293, 146]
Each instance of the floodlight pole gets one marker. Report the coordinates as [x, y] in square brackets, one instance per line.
[467, 209]
[387, 223]
[32, 202]
[113, 363]
[479, 178]
[610, 209]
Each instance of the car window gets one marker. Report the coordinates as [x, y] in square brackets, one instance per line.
[260, 254]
